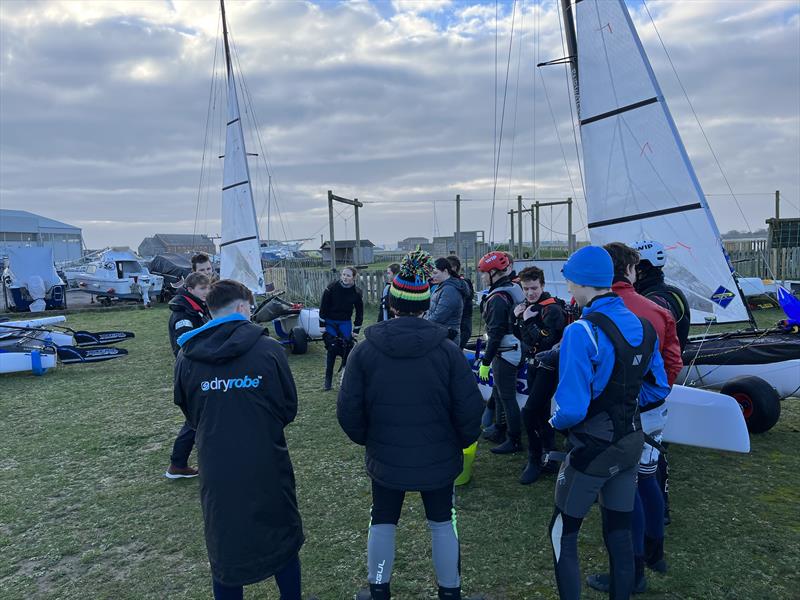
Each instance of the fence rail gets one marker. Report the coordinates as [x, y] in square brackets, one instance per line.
[752, 258]
[307, 285]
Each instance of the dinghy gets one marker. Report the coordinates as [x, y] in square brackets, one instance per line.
[641, 185]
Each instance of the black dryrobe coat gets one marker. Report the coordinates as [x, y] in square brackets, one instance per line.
[234, 385]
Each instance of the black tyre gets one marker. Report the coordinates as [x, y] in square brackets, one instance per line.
[298, 340]
[760, 402]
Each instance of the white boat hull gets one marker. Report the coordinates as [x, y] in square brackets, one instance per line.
[784, 376]
[16, 362]
[697, 417]
[126, 289]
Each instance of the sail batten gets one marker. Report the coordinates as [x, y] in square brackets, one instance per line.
[640, 183]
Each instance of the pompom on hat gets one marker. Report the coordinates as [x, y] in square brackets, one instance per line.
[592, 266]
[411, 291]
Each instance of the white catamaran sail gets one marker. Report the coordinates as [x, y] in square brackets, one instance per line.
[240, 251]
[640, 183]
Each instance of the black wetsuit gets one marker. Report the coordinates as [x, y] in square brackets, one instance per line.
[650, 284]
[539, 334]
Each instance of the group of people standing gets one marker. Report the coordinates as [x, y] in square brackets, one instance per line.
[606, 377]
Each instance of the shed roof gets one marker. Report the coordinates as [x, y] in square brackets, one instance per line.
[22, 221]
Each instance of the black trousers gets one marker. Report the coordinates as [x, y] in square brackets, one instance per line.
[330, 360]
[536, 412]
[387, 504]
[182, 447]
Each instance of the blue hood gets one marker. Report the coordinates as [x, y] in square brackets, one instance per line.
[211, 324]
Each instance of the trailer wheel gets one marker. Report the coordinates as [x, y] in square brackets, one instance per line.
[761, 404]
[298, 340]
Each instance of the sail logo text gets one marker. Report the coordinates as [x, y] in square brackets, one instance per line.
[224, 385]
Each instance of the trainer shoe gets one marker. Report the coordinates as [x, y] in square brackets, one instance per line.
[180, 472]
[602, 583]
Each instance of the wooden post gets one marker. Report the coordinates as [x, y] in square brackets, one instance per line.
[533, 233]
[357, 253]
[511, 241]
[570, 249]
[777, 204]
[458, 226]
[519, 225]
[330, 222]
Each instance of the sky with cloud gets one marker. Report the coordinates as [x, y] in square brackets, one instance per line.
[110, 116]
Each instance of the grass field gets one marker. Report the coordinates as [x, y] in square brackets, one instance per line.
[85, 511]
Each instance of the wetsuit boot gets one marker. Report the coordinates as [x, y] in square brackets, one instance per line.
[512, 444]
[654, 554]
[455, 594]
[376, 591]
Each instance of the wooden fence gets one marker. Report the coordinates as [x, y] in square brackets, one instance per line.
[307, 285]
[752, 258]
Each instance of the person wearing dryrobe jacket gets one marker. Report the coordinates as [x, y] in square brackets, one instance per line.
[235, 387]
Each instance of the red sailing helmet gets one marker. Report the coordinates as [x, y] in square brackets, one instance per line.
[494, 261]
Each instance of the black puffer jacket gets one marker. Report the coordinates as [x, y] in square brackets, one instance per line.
[409, 396]
[187, 312]
[234, 385]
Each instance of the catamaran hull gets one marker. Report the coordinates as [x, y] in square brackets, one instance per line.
[773, 356]
[783, 376]
[697, 417]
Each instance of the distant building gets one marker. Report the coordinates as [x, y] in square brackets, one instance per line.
[20, 228]
[176, 243]
[411, 243]
[470, 243]
[345, 252]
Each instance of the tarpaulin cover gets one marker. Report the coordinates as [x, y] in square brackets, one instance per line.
[176, 265]
[744, 349]
[32, 262]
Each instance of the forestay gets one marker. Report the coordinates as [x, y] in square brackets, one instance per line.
[240, 254]
[640, 183]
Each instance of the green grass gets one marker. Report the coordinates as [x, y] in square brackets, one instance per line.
[85, 511]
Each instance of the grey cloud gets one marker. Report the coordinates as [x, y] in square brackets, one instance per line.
[352, 99]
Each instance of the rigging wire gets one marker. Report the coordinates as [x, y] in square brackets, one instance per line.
[516, 106]
[705, 137]
[254, 117]
[502, 120]
[205, 135]
[696, 118]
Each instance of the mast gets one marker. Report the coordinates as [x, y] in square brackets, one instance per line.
[228, 66]
[572, 49]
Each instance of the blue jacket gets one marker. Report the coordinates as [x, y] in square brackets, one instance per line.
[584, 369]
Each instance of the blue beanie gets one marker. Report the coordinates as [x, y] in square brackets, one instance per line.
[592, 266]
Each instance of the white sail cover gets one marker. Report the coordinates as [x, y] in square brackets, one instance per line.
[640, 184]
[240, 254]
